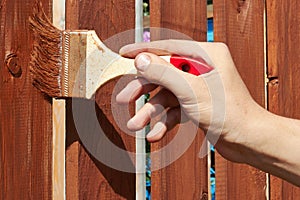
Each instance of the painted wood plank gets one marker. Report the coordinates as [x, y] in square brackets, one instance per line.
[188, 17]
[26, 120]
[187, 177]
[283, 69]
[240, 24]
[87, 177]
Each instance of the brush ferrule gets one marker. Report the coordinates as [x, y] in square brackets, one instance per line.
[65, 63]
[88, 63]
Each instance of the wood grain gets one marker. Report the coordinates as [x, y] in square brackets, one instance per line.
[26, 126]
[240, 25]
[187, 177]
[185, 17]
[58, 152]
[106, 17]
[86, 177]
[59, 121]
[283, 70]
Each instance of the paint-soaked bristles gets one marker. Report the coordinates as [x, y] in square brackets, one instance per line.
[46, 58]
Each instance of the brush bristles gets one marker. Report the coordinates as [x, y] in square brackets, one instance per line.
[46, 58]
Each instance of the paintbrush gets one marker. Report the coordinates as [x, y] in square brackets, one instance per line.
[66, 63]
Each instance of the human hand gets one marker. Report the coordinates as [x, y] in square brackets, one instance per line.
[218, 102]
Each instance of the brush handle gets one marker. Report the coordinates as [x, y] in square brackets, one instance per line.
[189, 65]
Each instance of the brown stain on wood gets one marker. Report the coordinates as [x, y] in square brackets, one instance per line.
[186, 17]
[187, 177]
[283, 68]
[87, 178]
[26, 127]
[240, 25]
[106, 17]
[273, 96]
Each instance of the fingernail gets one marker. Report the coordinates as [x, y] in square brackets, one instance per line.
[157, 132]
[133, 125]
[125, 95]
[123, 50]
[142, 62]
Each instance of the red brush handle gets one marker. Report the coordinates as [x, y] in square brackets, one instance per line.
[189, 65]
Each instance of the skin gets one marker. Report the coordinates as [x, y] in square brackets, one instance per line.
[246, 134]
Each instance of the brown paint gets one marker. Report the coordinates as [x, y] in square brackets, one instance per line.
[46, 57]
[187, 177]
[87, 177]
[186, 17]
[283, 69]
[240, 25]
[26, 127]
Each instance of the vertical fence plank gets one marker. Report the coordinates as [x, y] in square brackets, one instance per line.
[240, 24]
[59, 120]
[188, 17]
[283, 70]
[86, 177]
[25, 114]
[187, 177]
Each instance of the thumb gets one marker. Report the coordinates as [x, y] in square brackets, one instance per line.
[159, 71]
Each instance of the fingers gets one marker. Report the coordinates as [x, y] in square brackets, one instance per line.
[162, 100]
[185, 48]
[162, 47]
[160, 72]
[134, 90]
[173, 117]
[132, 50]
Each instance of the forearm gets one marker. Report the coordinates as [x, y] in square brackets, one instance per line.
[274, 145]
[249, 133]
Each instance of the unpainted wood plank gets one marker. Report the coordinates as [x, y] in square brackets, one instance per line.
[26, 126]
[240, 24]
[58, 155]
[187, 176]
[59, 120]
[283, 69]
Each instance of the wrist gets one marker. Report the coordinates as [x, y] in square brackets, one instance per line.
[241, 135]
[273, 145]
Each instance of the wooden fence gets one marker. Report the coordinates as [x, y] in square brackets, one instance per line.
[263, 37]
